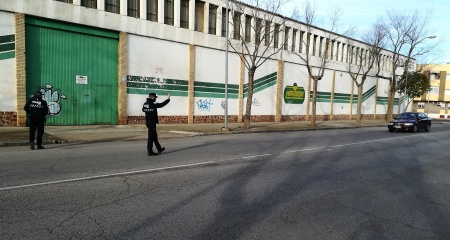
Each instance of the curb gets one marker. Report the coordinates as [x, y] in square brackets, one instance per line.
[197, 134]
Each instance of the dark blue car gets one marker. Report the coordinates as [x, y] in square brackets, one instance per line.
[411, 121]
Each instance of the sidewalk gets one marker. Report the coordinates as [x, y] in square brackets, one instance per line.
[18, 136]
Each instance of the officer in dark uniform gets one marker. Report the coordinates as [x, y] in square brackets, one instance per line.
[38, 109]
[151, 119]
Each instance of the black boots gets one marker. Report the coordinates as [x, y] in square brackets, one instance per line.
[161, 150]
[151, 153]
[32, 145]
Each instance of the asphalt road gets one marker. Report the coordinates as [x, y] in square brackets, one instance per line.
[361, 183]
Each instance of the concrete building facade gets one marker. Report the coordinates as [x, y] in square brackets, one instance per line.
[95, 61]
[436, 102]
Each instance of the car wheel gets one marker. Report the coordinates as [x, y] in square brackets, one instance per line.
[427, 128]
[391, 129]
[414, 129]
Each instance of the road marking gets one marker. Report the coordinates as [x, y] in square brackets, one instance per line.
[199, 164]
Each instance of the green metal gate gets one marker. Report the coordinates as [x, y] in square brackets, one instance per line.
[75, 67]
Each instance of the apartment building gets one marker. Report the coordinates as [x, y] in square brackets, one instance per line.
[436, 102]
[95, 61]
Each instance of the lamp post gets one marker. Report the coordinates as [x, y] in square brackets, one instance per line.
[225, 128]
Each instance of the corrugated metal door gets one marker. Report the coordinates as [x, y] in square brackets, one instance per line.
[76, 69]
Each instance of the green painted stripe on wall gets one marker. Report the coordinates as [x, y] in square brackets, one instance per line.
[7, 55]
[156, 86]
[7, 38]
[215, 95]
[215, 90]
[157, 91]
[153, 80]
[258, 83]
[216, 85]
[7, 47]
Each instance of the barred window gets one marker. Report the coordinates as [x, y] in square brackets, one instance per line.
[248, 24]
[152, 10]
[168, 12]
[294, 36]
[89, 3]
[66, 1]
[258, 31]
[212, 29]
[267, 33]
[133, 8]
[112, 6]
[276, 35]
[224, 22]
[184, 13]
[237, 25]
[286, 38]
[199, 16]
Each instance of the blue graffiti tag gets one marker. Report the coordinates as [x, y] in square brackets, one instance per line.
[204, 105]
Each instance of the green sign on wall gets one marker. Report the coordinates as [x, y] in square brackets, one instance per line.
[294, 94]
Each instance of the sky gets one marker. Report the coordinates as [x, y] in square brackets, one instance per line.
[361, 14]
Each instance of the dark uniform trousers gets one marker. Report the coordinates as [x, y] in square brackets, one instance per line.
[39, 125]
[152, 137]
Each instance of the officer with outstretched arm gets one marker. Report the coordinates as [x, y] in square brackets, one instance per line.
[151, 119]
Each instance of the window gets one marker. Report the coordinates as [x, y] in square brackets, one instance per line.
[152, 10]
[89, 3]
[224, 22]
[66, 1]
[300, 45]
[314, 45]
[248, 28]
[184, 13]
[199, 16]
[237, 25]
[267, 34]
[332, 50]
[212, 29]
[434, 90]
[133, 8]
[337, 50]
[276, 35]
[421, 105]
[321, 53]
[294, 36]
[112, 6]
[168, 12]
[258, 31]
[286, 38]
[308, 43]
[342, 52]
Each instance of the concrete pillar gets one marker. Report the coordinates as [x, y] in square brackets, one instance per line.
[375, 102]
[21, 76]
[191, 81]
[279, 94]
[351, 98]
[101, 5]
[308, 95]
[124, 7]
[176, 13]
[122, 81]
[206, 18]
[143, 9]
[160, 11]
[191, 15]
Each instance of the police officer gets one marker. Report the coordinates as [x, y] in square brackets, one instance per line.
[151, 119]
[38, 109]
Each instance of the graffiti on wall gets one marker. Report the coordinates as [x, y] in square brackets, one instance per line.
[204, 105]
[255, 102]
[53, 98]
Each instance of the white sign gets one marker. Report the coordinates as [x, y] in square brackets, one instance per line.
[81, 79]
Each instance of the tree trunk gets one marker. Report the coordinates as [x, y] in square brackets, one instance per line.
[313, 114]
[390, 106]
[248, 106]
[359, 106]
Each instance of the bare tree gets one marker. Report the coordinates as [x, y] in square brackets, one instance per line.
[406, 33]
[364, 60]
[254, 36]
[315, 59]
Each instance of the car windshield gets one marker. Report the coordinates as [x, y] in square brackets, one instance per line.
[407, 116]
